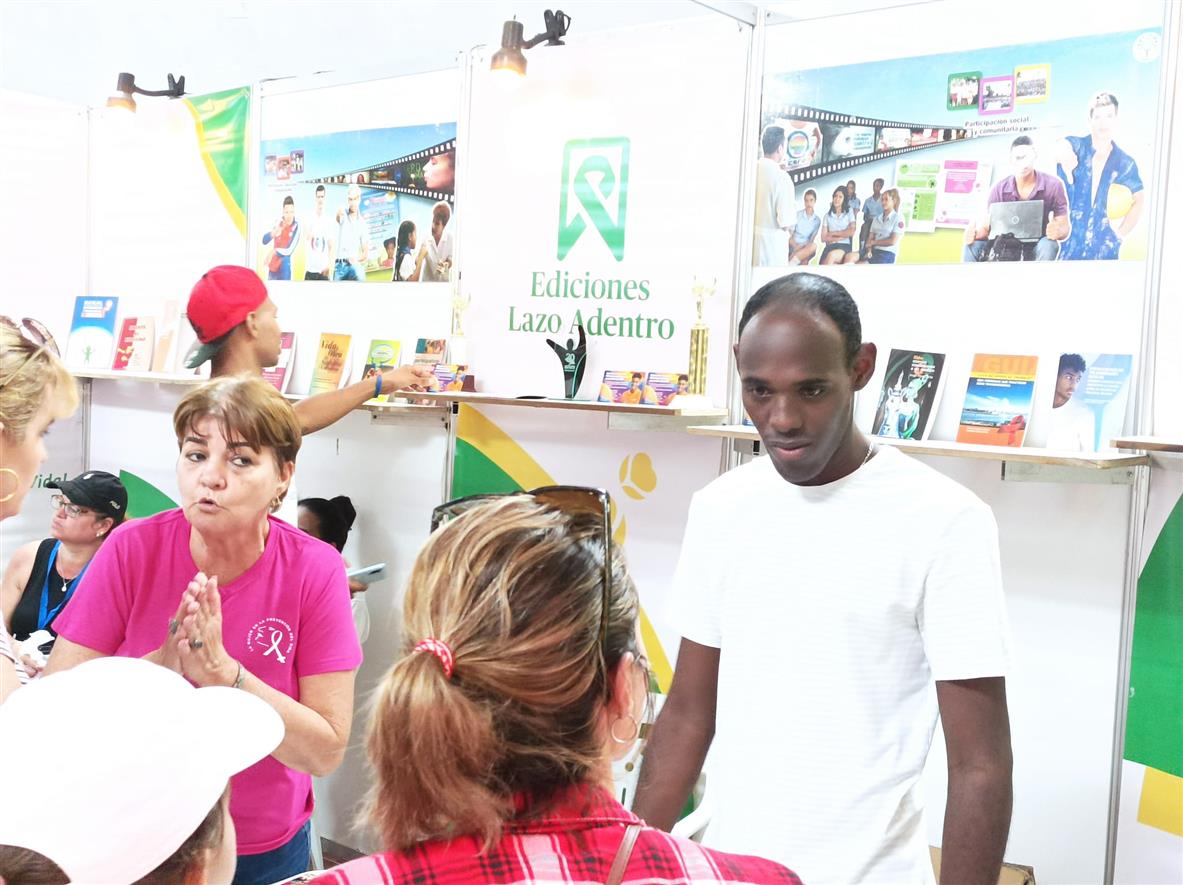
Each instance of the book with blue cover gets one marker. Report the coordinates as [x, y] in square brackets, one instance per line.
[91, 344]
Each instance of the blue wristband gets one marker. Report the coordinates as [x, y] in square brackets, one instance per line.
[377, 385]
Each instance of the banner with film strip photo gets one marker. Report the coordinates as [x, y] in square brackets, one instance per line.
[1036, 151]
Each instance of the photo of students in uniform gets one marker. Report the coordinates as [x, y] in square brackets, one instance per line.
[803, 237]
[838, 230]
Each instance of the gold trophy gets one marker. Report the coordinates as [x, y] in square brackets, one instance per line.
[700, 335]
[458, 346]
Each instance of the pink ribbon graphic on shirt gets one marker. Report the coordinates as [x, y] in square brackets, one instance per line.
[276, 636]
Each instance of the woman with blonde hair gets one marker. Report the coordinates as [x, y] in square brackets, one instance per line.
[35, 390]
[492, 739]
[223, 593]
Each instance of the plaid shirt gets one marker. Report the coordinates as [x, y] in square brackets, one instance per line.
[573, 842]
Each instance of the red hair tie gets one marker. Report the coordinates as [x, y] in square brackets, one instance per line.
[440, 649]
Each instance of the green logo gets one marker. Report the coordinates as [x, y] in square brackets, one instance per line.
[594, 190]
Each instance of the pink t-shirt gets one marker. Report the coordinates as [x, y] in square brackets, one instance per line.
[286, 617]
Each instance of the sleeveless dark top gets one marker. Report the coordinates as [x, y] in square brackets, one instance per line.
[27, 612]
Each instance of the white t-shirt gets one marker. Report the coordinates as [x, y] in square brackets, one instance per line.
[436, 253]
[1071, 428]
[353, 237]
[774, 214]
[835, 607]
[320, 238]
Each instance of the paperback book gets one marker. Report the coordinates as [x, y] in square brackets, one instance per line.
[332, 363]
[451, 378]
[998, 400]
[382, 355]
[164, 353]
[1087, 407]
[133, 350]
[662, 387]
[91, 344]
[429, 351]
[280, 375]
[911, 392]
[622, 387]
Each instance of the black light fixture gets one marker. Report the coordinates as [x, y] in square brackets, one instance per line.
[126, 91]
[510, 57]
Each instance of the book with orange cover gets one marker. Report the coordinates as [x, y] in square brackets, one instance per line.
[998, 400]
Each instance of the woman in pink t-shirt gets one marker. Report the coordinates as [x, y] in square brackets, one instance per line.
[223, 593]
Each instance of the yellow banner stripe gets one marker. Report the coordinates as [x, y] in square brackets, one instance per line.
[496, 445]
[223, 192]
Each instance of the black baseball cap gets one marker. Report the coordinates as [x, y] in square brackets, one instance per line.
[100, 491]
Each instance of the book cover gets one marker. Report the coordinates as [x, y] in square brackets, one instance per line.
[662, 387]
[164, 354]
[133, 349]
[91, 344]
[185, 343]
[1088, 405]
[279, 376]
[998, 400]
[429, 351]
[332, 361]
[912, 386]
[622, 387]
[452, 378]
[382, 355]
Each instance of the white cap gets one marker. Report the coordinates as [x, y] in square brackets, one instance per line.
[125, 759]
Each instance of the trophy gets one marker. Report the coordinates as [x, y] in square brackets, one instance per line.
[460, 302]
[699, 340]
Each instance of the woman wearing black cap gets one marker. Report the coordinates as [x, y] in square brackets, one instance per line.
[43, 575]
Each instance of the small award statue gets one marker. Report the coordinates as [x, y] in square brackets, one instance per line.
[574, 360]
[460, 302]
[699, 340]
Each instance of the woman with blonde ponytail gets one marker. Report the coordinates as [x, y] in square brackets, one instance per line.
[492, 738]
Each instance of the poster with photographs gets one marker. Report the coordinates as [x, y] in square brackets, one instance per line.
[367, 205]
[1031, 152]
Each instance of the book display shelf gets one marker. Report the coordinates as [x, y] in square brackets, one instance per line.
[1018, 464]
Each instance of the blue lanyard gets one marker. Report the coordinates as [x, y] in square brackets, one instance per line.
[45, 617]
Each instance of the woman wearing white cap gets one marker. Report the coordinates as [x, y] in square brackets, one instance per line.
[272, 618]
[127, 779]
[35, 390]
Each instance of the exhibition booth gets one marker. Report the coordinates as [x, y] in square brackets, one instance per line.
[608, 197]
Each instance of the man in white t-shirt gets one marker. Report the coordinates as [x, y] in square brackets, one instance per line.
[353, 239]
[821, 592]
[1071, 426]
[438, 246]
[318, 255]
[774, 201]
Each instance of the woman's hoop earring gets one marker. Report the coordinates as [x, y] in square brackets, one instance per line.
[275, 502]
[625, 740]
[17, 477]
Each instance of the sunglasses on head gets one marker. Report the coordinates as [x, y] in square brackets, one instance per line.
[36, 334]
[566, 499]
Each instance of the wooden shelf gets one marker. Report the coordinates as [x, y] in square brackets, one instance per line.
[579, 405]
[422, 409]
[1048, 457]
[1149, 443]
[124, 375]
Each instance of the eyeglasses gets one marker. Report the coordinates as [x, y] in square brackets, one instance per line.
[568, 499]
[36, 334]
[72, 510]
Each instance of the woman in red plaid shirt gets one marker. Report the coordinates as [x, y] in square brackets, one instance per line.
[492, 740]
